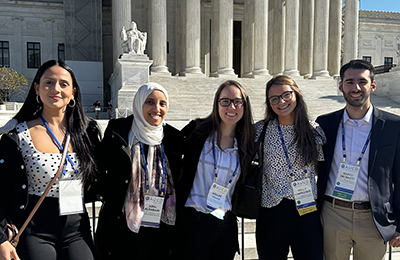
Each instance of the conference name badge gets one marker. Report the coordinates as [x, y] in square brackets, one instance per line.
[216, 200]
[153, 206]
[346, 181]
[303, 196]
[70, 197]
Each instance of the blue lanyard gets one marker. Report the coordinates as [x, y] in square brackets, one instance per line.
[287, 155]
[163, 188]
[215, 167]
[59, 146]
[363, 149]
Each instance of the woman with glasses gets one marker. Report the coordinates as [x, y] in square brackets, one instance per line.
[216, 151]
[137, 159]
[291, 148]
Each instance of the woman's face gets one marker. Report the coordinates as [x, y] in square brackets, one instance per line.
[55, 88]
[155, 108]
[286, 102]
[230, 114]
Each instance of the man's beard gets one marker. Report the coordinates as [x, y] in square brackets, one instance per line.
[356, 103]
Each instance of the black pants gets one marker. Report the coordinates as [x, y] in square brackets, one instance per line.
[204, 237]
[114, 240]
[53, 237]
[281, 226]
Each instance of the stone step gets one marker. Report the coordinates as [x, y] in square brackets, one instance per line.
[250, 250]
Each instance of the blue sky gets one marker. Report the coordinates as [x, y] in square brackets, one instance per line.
[380, 5]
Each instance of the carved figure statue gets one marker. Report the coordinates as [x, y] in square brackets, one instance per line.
[133, 40]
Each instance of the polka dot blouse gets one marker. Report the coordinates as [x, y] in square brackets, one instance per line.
[41, 167]
[276, 183]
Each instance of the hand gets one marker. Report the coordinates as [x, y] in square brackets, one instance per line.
[395, 241]
[8, 252]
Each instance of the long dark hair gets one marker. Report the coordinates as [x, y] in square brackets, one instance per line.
[303, 129]
[244, 130]
[77, 122]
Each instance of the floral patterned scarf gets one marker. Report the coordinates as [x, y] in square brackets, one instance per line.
[134, 200]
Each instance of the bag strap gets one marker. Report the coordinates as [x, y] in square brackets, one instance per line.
[64, 155]
[260, 144]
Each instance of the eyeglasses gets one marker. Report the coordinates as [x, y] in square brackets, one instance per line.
[226, 102]
[287, 95]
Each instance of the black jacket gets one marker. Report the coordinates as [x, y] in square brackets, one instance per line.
[193, 143]
[114, 176]
[14, 197]
[383, 167]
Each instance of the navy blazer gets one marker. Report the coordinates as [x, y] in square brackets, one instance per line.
[383, 167]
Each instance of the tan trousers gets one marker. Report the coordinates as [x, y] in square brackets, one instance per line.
[345, 228]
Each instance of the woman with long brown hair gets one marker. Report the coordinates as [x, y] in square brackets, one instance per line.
[216, 151]
[292, 147]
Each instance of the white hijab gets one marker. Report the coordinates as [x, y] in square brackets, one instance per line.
[141, 130]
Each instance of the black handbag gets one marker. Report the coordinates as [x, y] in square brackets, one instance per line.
[247, 200]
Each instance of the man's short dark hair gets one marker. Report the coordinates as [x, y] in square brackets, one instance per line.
[358, 64]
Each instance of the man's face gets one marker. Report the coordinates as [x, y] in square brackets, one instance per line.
[357, 87]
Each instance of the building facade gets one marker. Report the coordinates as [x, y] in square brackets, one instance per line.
[190, 38]
[379, 37]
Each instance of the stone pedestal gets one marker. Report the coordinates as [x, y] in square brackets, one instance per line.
[131, 71]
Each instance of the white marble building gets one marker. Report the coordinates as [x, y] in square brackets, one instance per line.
[191, 38]
[379, 37]
[32, 32]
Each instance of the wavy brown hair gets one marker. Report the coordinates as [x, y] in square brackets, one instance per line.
[244, 130]
[303, 129]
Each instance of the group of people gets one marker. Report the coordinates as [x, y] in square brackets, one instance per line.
[169, 194]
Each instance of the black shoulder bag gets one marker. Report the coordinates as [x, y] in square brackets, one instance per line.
[247, 201]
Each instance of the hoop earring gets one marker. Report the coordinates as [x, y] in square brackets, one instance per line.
[37, 99]
[70, 102]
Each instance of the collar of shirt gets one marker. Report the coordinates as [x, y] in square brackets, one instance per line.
[227, 150]
[367, 119]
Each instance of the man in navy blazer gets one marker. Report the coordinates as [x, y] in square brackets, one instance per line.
[359, 181]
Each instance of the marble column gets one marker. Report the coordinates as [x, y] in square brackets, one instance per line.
[260, 38]
[248, 40]
[18, 60]
[292, 38]
[48, 45]
[350, 39]
[225, 15]
[159, 36]
[335, 33]
[214, 59]
[276, 33]
[306, 43]
[179, 61]
[321, 29]
[192, 29]
[121, 16]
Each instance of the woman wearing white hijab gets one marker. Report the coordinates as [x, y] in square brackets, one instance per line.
[136, 160]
